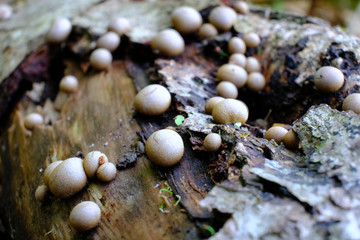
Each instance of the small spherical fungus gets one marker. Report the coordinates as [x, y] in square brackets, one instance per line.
[352, 102]
[106, 172]
[238, 59]
[252, 65]
[232, 73]
[109, 41]
[277, 133]
[255, 82]
[32, 120]
[92, 161]
[59, 30]
[241, 7]
[120, 26]
[49, 170]
[68, 178]
[152, 100]
[227, 89]
[85, 216]
[212, 142]
[168, 42]
[222, 17]
[41, 193]
[164, 147]
[207, 30]
[251, 39]
[6, 11]
[186, 19]
[101, 58]
[230, 111]
[236, 45]
[291, 140]
[209, 105]
[69, 84]
[328, 79]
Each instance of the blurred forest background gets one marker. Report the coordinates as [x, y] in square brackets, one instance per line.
[343, 13]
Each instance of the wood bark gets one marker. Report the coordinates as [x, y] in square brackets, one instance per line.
[100, 116]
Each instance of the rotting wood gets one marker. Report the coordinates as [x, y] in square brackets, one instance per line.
[292, 48]
[97, 117]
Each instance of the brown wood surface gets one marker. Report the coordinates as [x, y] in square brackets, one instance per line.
[99, 116]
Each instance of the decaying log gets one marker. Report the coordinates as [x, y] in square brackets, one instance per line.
[322, 186]
[97, 117]
[308, 193]
[26, 29]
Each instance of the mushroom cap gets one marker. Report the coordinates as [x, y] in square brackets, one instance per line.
[227, 89]
[101, 58]
[92, 161]
[277, 133]
[32, 120]
[186, 19]
[238, 59]
[212, 142]
[152, 100]
[41, 193]
[69, 84]
[85, 216]
[164, 147]
[230, 111]
[241, 7]
[232, 73]
[328, 79]
[59, 30]
[207, 30]
[352, 102]
[291, 140]
[109, 41]
[68, 178]
[106, 172]
[236, 45]
[251, 39]
[222, 17]
[120, 26]
[256, 82]
[49, 170]
[209, 105]
[168, 42]
[252, 65]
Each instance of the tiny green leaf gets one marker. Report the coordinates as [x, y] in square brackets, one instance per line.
[167, 185]
[179, 199]
[210, 229]
[179, 119]
[166, 190]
